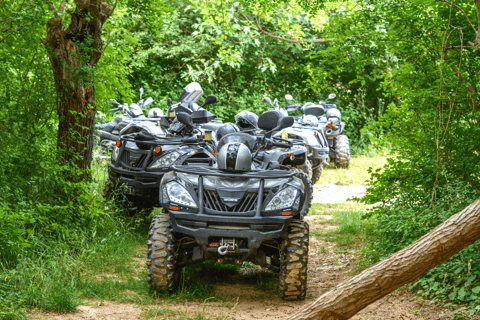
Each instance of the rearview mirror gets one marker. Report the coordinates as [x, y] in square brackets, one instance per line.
[284, 122]
[113, 101]
[267, 101]
[141, 93]
[147, 102]
[209, 100]
[185, 118]
[289, 97]
[332, 96]
[169, 102]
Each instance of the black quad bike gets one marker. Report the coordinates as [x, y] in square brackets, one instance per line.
[249, 207]
[146, 151]
[187, 103]
[307, 133]
[108, 133]
[333, 126]
[308, 130]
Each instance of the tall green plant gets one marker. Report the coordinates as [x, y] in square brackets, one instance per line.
[419, 58]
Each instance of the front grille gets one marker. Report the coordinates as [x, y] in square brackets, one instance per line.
[212, 201]
[134, 159]
[138, 163]
[125, 157]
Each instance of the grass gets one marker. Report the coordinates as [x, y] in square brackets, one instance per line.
[348, 230]
[107, 262]
[356, 174]
[343, 222]
[182, 312]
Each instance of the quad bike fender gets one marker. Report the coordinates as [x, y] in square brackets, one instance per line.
[293, 156]
[107, 144]
[196, 154]
[104, 135]
[307, 135]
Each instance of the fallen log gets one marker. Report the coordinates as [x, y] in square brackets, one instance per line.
[434, 248]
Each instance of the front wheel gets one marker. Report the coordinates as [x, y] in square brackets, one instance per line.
[342, 151]
[162, 270]
[294, 262]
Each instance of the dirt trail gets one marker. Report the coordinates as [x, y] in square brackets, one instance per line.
[242, 300]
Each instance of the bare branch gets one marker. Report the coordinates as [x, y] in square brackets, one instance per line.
[464, 13]
[287, 39]
[51, 6]
[477, 4]
[62, 7]
[460, 47]
[15, 30]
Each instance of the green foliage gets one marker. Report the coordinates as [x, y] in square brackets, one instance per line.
[222, 48]
[431, 125]
[456, 280]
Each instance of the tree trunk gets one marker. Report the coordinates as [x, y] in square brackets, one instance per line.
[74, 54]
[434, 248]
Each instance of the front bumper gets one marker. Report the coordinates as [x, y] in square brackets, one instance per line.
[254, 229]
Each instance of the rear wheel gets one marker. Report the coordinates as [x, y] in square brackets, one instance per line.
[307, 168]
[113, 191]
[317, 173]
[342, 151]
[294, 262]
[162, 270]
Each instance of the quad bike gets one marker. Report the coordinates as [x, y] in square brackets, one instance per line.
[108, 133]
[307, 130]
[187, 103]
[333, 126]
[145, 151]
[248, 207]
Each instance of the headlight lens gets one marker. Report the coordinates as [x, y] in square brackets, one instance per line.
[283, 199]
[166, 160]
[179, 194]
[115, 153]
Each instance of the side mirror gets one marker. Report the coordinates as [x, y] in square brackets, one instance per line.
[147, 102]
[267, 101]
[141, 93]
[275, 104]
[289, 97]
[113, 101]
[332, 96]
[169, 102]
[185, 118]
[284, 122]
[209, 100]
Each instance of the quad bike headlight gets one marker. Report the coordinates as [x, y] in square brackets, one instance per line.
[178, 194]
[283, 199]
[166, 160]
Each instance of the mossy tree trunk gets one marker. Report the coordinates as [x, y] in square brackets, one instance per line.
[74, 53]
[434, 248]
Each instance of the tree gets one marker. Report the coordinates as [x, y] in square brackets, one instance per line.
[74, 53]
[354, 294]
